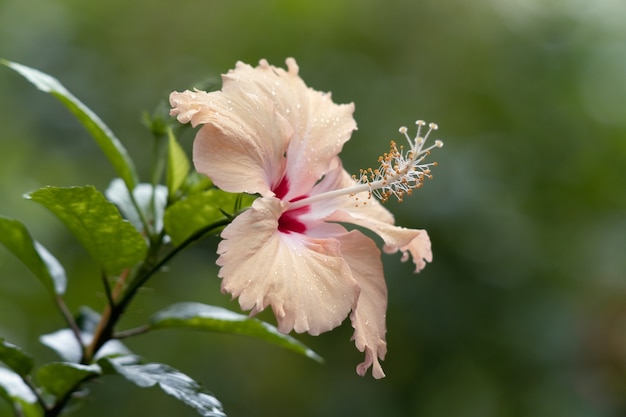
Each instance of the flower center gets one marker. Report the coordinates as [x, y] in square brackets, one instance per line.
[282, 188]
[289, 222]
[399, 172]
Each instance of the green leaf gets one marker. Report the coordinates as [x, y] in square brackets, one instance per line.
[87, 320]
[170, 380]
[151, 201]
[15, 390]
[64, 343]
[111, 241]
[196, 182]
[15, 236]
[59, 378]
[198, 211]
[104, 137]
[15, 358]
[177, 164]
[216, 319]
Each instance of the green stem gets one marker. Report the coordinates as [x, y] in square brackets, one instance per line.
[132, 332]
[142, 279]
[34, 390]
[69, 319]
[156, 173]
[58, 406]
[105, 332]
[112, 295]
[107, 289]
[158, 159]
[142, 216]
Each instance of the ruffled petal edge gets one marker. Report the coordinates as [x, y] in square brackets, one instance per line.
[409, 241]
[305, 280]
[369, 316]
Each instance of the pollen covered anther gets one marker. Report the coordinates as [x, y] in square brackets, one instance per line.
[401, 171]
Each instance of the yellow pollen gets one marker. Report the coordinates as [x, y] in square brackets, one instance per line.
[398, 174]
[401, 171]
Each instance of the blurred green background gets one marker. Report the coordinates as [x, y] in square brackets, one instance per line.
[522, 312]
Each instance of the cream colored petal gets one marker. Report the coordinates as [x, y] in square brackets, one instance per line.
[419, 247]
[236, 164]
[368, 318]
[320, 126]
[368, 212]
[195, 106]
[409, 241]
[242, 144]
[305, 280]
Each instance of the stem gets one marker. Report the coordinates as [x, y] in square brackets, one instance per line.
[90, 350]
[33, 388]
[69, 319]
[132, 332]
[119, 285]
[159, 160]
[107, 289]
[142, 279]
[58, 407]
[113, 312]
[142, 216]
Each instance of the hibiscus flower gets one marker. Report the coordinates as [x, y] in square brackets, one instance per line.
[267, 133]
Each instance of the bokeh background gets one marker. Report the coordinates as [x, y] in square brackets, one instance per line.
[522, 312]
